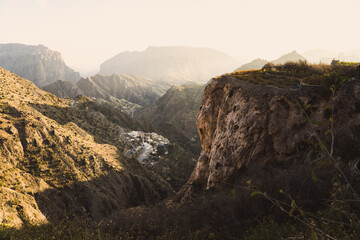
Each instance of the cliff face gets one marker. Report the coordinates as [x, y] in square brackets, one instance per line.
[175, 65]
[247, 126]
[58, 159]
[36, 63]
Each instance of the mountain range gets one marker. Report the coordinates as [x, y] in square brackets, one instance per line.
[175, 65]
[132, 88]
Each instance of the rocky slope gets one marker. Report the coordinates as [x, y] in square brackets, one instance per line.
[175, 65]
[62, 157]
[259, 63]
[273, 133]
[36, 63]
[133, 88]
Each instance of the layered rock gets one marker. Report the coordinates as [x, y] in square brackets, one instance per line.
[39, 64]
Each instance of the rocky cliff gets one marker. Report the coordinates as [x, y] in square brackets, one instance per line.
[175, 65]
[39, 64]
[255, 121]
[61, 158]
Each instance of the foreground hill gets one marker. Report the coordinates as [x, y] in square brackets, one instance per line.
[175, 65]
[259, 63]
[39, 64]
[62, 157]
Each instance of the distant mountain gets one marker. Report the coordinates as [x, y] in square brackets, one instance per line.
[290, 57]
[63, 89]
[255, 64]
[259, 63]
[38, 64]
[175, 65]
[174, 114]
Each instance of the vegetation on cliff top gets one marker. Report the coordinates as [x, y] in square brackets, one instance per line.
[292, 74]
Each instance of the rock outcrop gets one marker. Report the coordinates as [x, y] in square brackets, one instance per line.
[38, 64]
[245, 126]
[175, 65]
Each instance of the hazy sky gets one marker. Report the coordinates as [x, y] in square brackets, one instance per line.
[87, 32]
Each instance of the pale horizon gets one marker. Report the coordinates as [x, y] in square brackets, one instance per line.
[87, 33]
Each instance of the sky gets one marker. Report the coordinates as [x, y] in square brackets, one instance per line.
[88, 32]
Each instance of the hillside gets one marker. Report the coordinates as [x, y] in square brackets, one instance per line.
[175, 65]
[61, 158]
[259, 63]
[38, 64]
